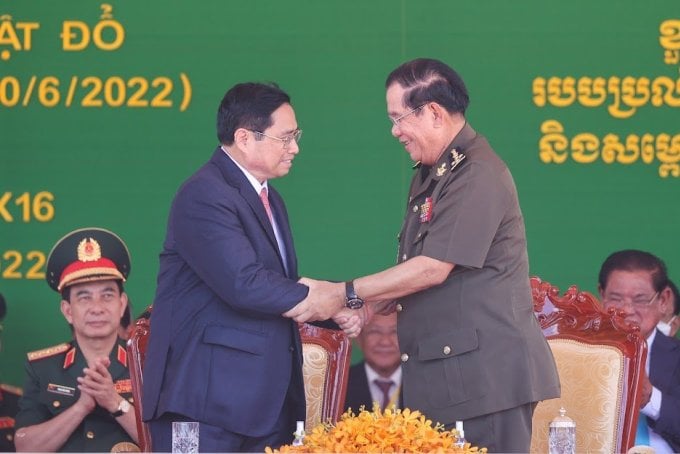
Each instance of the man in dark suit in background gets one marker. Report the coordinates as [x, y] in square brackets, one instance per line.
[378, 377]
[220, 353]
[636, 282]
[670, 319]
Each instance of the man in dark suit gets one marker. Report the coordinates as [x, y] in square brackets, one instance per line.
[220, 353]
[378, 377]
[636, 282]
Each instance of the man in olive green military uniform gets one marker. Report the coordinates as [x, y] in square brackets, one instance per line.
[471, 348]
[77, 395]
[9, 401]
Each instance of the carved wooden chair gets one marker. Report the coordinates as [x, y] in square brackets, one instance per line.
[326, 359]
[326, 354]
[600, 359]
[136, 347]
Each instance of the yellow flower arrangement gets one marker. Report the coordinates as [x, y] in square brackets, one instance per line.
[400, 431]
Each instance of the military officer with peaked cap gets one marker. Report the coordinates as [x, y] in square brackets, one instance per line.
[77, 395]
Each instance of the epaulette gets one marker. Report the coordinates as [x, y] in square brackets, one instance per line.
[12, 389]
[49, 351]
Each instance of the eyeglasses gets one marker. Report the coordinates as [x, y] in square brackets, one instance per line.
[286, 141]
[639, 301]
[395, 121]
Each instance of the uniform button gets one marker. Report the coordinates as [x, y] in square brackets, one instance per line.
[447, 350]
[404, 257]
[404, 357]
[89, 434]
[415, 208]
[56, 404]
[399, 307]
[9, 437]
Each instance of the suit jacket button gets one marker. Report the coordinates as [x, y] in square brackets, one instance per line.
[404, 357]
[447, 350]
[89, 434]
[399, 307]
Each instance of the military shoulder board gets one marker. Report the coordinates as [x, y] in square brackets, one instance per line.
[47, 352]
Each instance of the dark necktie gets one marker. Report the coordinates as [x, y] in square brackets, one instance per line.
[265, 202]
[385, 386]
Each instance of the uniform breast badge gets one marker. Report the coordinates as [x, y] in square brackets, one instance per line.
[426, 210]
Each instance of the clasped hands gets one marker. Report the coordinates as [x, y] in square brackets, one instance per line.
[96, 387]
[326, 300]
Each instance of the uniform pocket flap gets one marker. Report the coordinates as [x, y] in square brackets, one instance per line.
[247, 341]
[448, 344]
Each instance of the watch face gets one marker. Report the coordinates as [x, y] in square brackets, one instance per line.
[124, 406]
[354, 303]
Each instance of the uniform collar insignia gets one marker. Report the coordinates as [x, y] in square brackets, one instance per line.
[70, 358]
[441, 170]
[457, 157]
[121, 354]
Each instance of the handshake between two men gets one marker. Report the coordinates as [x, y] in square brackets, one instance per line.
[333, 300]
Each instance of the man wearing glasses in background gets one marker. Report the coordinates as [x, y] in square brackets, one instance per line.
[220, 353]
[636, 283]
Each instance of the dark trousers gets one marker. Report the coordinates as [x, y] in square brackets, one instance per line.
[504, 431]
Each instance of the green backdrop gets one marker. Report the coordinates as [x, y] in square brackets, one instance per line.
[106, 108]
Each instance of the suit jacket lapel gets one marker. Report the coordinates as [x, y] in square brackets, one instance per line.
[235, 177]
[281, 216]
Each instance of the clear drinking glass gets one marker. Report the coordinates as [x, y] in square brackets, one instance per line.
[185, 437]
[562, 435]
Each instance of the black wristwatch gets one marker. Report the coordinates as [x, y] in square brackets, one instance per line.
[123, 407]
[352, 300]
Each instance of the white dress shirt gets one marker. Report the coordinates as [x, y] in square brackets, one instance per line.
[376, 392]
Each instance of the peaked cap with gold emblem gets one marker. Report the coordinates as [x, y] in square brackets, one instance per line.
[85, 255]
